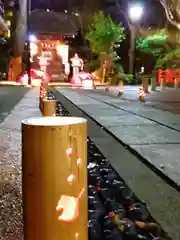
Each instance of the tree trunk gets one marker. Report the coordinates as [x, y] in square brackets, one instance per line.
[15, 64]
[106, 65]
[132, 49]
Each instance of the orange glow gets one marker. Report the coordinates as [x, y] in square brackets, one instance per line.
[76, 236]
[78, 161]
[69, 151]
[70, 208]
[81, 193]
[71, 178]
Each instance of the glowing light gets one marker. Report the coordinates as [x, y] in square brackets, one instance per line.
[136, 12]
[63, 51]
[78, 161]
[69, 207]
[53, 121]
[81, 193]
[71, 178]
[69, 151]
[76, 236]
[86, 79]
[37, 76]
[32, 38]
[33, 48]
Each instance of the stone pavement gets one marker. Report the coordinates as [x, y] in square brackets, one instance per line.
[166, 100]
[159, 144]
[11, 225]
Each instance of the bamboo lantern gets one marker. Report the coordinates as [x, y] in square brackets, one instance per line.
[54, 167]
[45, 84]
[49, 107]
[42, 96]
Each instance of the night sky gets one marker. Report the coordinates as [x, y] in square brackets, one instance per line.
[154, 14]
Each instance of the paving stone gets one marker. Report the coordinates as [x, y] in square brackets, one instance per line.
[148, 134]
[126, 120]
[166, 157]
[103, 111]
[165, 117]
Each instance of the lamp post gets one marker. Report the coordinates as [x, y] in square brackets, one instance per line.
[135, 13]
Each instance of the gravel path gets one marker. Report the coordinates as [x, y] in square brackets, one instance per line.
[11, 224]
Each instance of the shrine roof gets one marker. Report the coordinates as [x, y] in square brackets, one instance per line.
[41, 21]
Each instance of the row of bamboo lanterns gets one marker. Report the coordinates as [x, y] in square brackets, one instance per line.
[54, 175]
[47, 107]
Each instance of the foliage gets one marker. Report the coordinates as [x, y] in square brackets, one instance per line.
[5, 55]
[104, 34]
[155, 44]
[93, 65]
[171, 59]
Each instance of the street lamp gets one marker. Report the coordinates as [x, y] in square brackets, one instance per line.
[135, 13]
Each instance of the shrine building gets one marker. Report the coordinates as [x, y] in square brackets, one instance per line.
[49, 34]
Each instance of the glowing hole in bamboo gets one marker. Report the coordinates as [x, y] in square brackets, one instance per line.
[78, 161]
[71, 178]
[69, 151]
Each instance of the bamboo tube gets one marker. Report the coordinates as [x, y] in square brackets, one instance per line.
[44, 84]
[54, 166]
[42, 96]
[49, 107]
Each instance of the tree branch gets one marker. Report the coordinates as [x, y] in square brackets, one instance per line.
[169, 14]
[121, 11]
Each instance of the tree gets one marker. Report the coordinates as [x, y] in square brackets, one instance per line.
[156, 44]
[172, 9]
[19, 23]
[163, 46]
[170, 60]
[104, 36]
